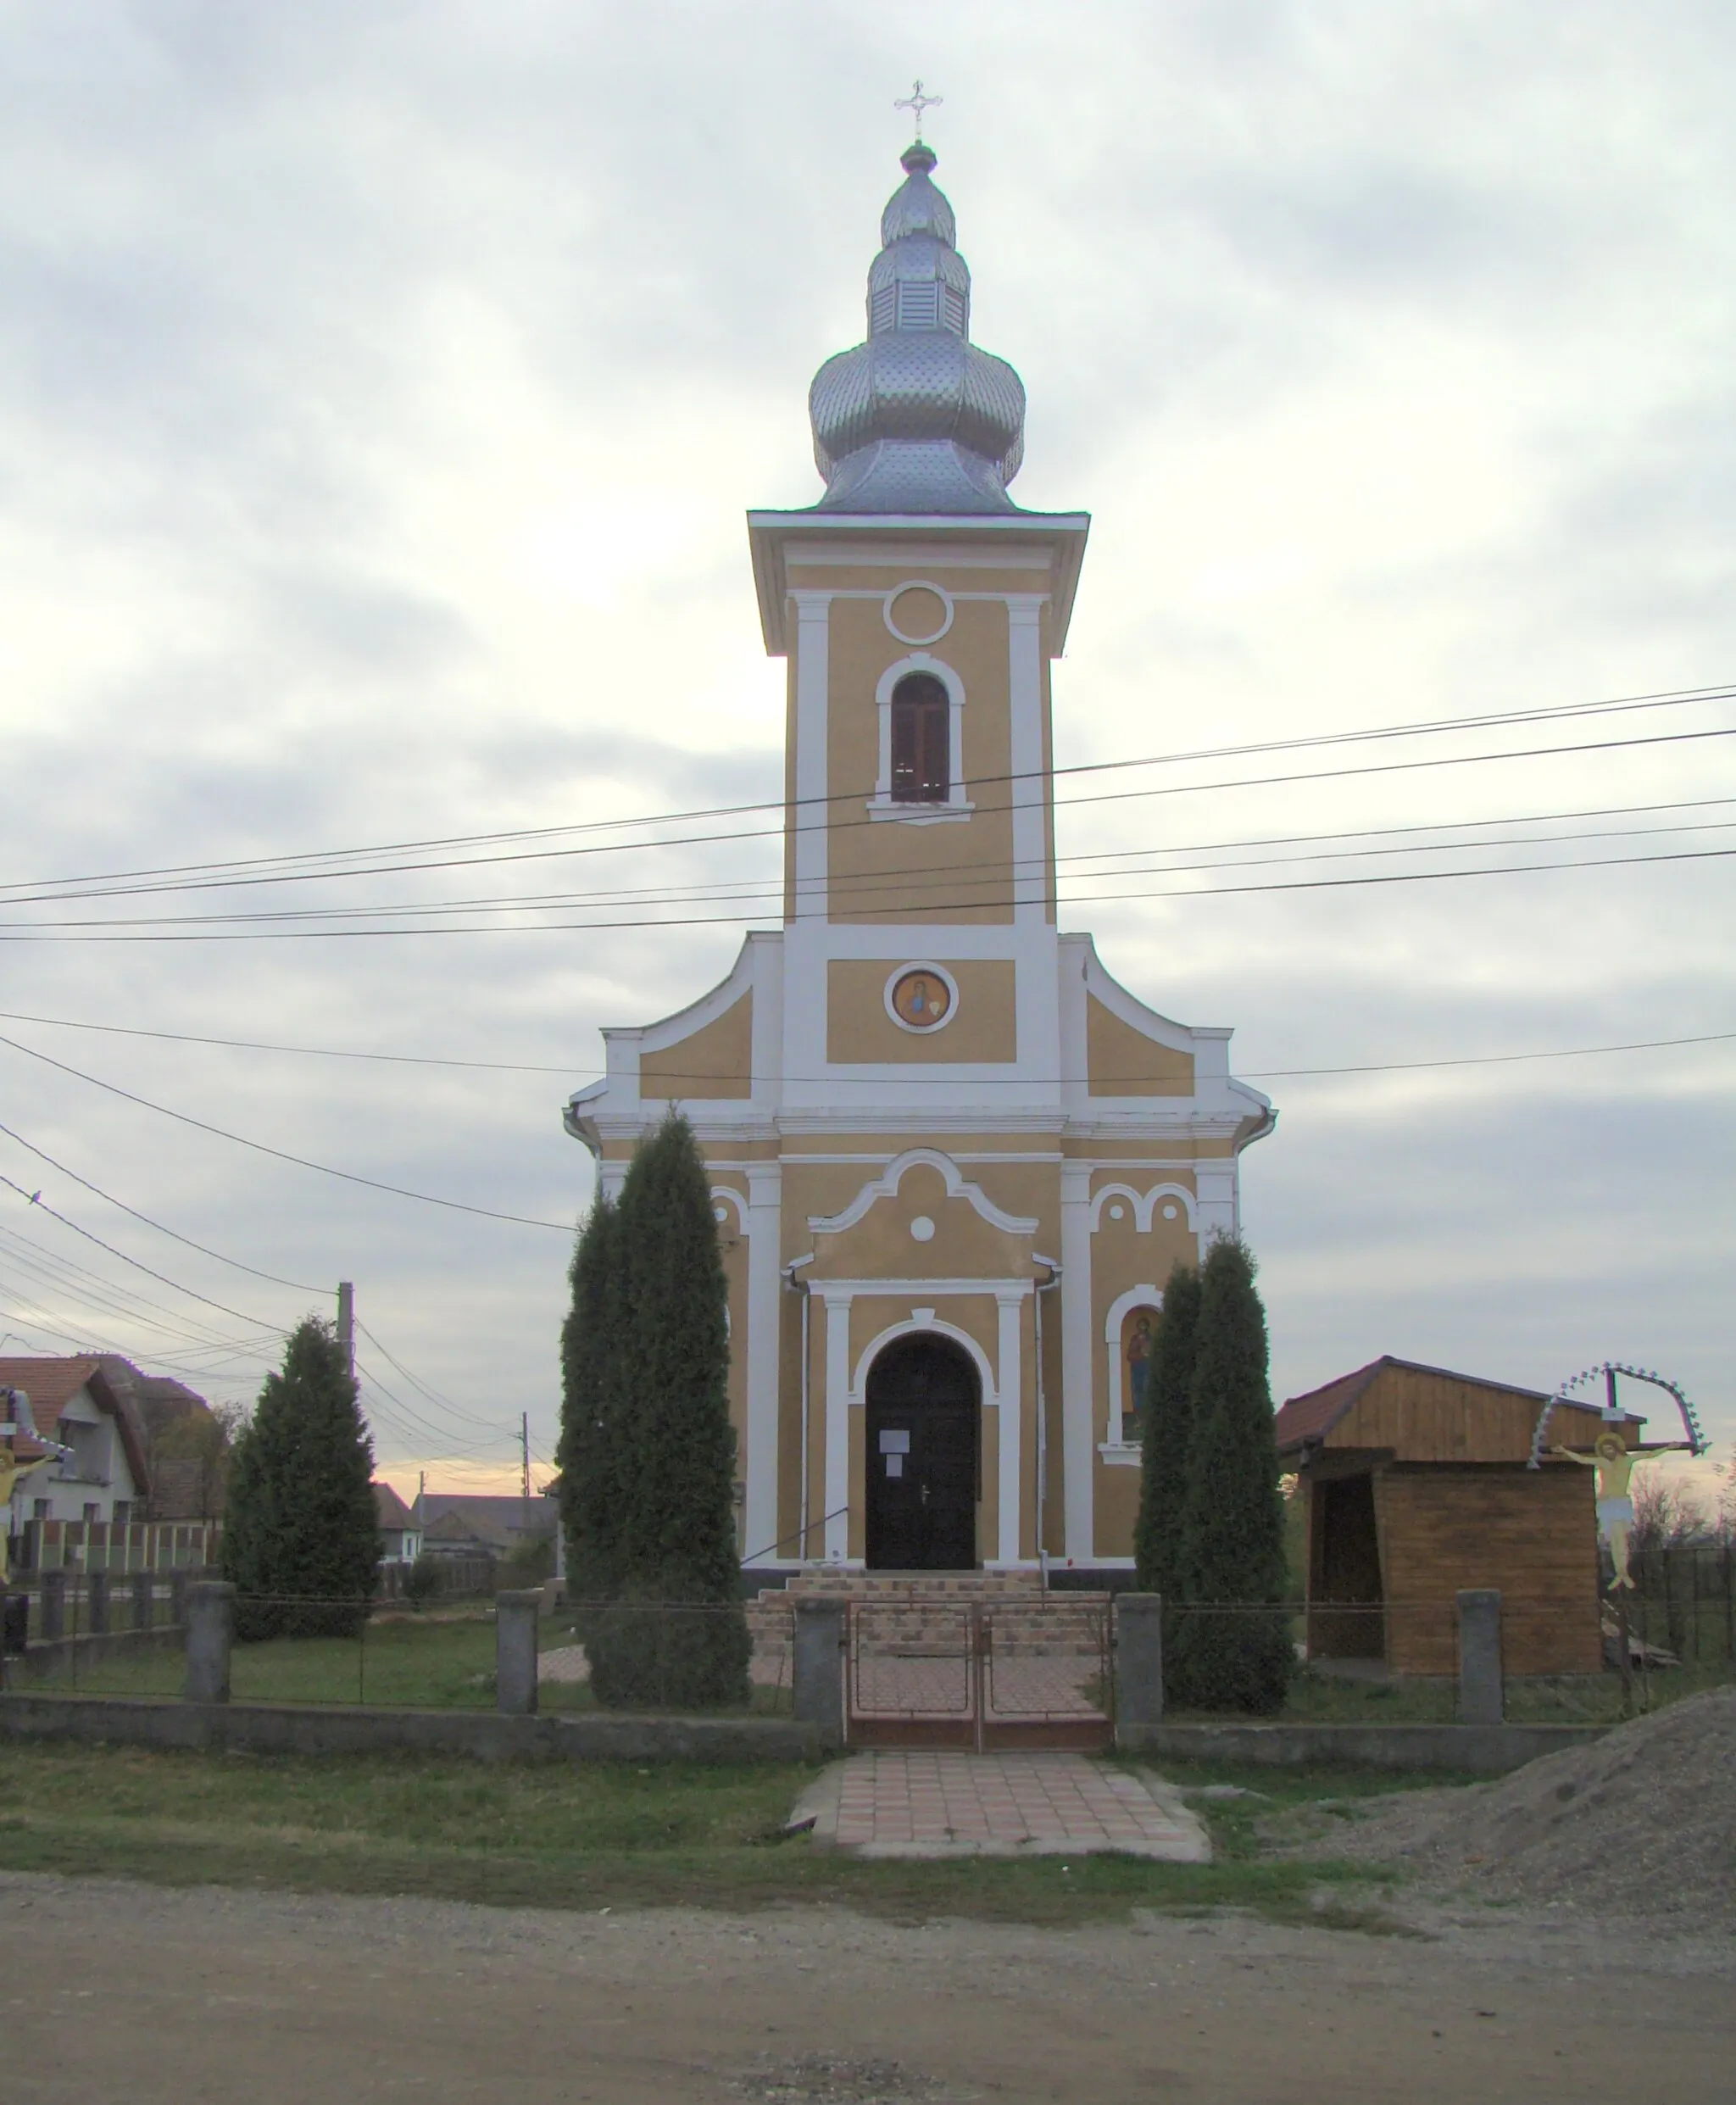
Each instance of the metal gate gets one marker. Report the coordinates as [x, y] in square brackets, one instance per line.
[980, 1674]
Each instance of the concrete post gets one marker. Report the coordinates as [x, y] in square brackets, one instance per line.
[178, 1583]
[210, 1634]
[144, 1599]
[53, 1620]
[515, 1653]
[1480, 1691]
[817, 1668]
[99, 1604]
[1138, 1660]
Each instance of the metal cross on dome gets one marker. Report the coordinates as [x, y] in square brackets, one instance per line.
[916, 102]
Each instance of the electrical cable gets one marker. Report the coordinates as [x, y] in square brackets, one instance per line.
[234, 1263]
[260, 1147]
[196, 874]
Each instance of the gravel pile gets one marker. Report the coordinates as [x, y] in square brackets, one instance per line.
[1641, 1824]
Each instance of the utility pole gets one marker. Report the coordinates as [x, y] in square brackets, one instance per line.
[346, 1322]
[525, 1476]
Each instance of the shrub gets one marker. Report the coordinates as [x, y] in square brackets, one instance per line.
[1164, 1469]
[424, 1581]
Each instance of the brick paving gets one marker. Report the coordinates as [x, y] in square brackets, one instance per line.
[940, 1803]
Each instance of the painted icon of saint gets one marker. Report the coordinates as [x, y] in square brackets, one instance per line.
[921, 999]
[1138, 1358]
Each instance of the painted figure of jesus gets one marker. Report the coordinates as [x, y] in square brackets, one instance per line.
[1139, 1379]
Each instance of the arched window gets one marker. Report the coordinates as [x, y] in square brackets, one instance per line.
[921, 759]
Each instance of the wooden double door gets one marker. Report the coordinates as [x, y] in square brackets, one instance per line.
[924, 1426]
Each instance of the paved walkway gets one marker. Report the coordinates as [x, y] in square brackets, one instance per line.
[948, 1804]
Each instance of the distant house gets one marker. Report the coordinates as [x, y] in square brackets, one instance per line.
[400, 1534]
[74, 1403]
[186, 1444]
[465, 1524]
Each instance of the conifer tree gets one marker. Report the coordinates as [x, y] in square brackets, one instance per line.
[590, 1341]
[1168, 1433]
[301, 1540]
[662, 1470]
[1225, 1653]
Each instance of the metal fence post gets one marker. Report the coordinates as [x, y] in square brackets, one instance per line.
[1480, 1691]
[99, 1604]
[143, 1600]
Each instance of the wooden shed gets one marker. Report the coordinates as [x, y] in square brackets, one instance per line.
[1416, 1485]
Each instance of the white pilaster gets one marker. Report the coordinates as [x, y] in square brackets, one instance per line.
[1077, 1357]
[1214, 1214]
[1009, 1398]
[1030, 786]
[765, 1313]
[838, 1425]
[812, 813]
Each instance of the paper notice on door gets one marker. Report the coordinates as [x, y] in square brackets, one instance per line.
[894, 1465]
[895, 1443]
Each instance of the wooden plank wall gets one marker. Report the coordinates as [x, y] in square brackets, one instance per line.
[1423, 1416]
[1531, 1532]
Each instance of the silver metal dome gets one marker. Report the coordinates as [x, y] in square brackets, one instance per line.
[917, 419]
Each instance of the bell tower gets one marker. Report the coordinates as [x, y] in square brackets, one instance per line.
[919, 608]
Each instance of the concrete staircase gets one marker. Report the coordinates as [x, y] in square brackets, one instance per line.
[926, 1612]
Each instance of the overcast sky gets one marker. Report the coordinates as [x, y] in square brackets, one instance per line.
[382, 384]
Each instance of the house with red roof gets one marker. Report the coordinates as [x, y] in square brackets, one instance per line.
[75, 1404]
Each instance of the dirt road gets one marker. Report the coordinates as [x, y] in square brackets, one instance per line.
[123, 1992]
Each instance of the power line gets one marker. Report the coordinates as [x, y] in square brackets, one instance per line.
[242, 869]
[260, 1147]
[1493, 1060]
[890, 916]
[162, 1278]
[174, 1235]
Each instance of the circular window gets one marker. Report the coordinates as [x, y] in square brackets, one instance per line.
[920, 997]
[1118, 1213]
[922, 1229]
[918, 612]
[1171, 1212]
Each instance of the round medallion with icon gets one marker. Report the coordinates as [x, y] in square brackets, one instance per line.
[921, 999]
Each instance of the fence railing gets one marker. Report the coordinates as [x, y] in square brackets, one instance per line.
[113, 1545]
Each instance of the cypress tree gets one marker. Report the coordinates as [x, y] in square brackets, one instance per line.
[301, 1542]
[590, 1341]
[666, 1453]
[1226, 1654]
[1169, 1428]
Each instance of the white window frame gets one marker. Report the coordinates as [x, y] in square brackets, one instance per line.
[957, 805]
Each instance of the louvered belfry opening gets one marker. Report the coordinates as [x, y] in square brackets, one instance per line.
[921, 759]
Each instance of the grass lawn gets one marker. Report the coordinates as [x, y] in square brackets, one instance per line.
[589, 1836]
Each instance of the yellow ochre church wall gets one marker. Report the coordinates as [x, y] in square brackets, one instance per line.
[716, 1061]
[1121, 1061]
[983, 1027]
[951, 871]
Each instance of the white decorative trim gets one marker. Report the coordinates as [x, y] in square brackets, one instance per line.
[743, 1225]
[933, 1326]
[881, 805]
[758, 1465]
[1077, 1365]
[1118, 1309]
[884, 1186]
[946, 979]
[901, 1289]
[916, 584]
[1144, 1207]
[1121, 1455]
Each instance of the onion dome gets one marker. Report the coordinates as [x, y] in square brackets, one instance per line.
[917, 419]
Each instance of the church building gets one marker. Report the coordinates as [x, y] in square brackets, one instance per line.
[953, 1160]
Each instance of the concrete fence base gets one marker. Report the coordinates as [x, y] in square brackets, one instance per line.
[1481, 1750]
[483, 1736]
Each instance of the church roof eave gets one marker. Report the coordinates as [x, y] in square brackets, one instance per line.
[771, 533]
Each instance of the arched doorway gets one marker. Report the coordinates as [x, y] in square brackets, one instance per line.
[924, 1478]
